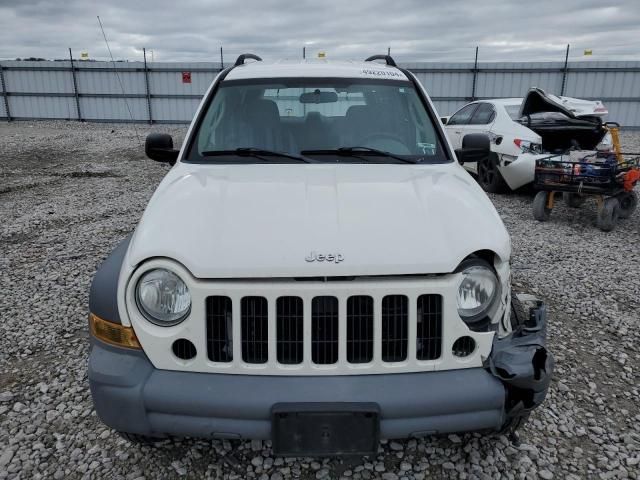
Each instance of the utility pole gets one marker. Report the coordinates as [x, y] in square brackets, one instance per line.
[75, 86]
[146, 84]
[475, 77]
[564, 71]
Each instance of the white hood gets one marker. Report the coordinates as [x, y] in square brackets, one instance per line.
[264, 220]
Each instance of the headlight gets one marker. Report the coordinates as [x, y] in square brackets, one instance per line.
[477, 293]
[162, 297]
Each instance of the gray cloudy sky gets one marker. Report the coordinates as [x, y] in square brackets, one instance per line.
[194, 30]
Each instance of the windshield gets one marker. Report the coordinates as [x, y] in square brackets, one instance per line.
[364, 120]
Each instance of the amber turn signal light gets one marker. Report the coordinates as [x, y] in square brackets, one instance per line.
[113, 333]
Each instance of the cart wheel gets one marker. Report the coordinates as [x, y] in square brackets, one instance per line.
[608, 214]
[628, 203]
[540, 210]
[573, 200]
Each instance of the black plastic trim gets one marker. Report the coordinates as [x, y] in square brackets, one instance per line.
[240, 60]
[387, 58]
[523, 364]
[103, 295]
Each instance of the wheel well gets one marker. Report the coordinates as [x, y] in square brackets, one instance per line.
[486, 255]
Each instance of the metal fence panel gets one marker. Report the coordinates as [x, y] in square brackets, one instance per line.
[174, 109]
[447, 107]
[101, 82]
[170, 82]
[625, 113]
[447, 84]
[102, 108]
[604, 83]
[42, 107]
[46, 90]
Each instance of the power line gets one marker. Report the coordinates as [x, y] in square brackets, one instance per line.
[119, 80]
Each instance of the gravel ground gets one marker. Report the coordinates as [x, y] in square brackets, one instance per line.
[70, 192]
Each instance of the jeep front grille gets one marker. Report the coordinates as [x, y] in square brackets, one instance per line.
[324, 330]
[219, 344]
[359, 329]
[255, 328]
[395, 315]
[289, 319]
[429, 328]
[284, 338]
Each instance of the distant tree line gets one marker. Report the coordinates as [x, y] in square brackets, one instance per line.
[37, 59]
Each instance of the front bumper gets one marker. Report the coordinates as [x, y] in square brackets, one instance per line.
[130, 395]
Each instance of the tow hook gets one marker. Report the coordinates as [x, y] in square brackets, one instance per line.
[523, 363]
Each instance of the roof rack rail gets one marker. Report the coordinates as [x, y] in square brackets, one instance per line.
[387, 58]
[240, 60]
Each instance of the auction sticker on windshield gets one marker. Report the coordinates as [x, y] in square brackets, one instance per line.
[369, 72]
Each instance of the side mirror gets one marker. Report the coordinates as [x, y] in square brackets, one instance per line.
[444, 120]
[475, 147]
[159, 147]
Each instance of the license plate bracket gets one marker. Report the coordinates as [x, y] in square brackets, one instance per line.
[325, 429]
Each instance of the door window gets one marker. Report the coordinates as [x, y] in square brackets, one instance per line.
[483, 115]
[462, 116]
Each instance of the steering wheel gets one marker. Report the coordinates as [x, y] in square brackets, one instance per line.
[386, 142]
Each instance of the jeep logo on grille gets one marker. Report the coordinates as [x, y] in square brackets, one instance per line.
[324, 257]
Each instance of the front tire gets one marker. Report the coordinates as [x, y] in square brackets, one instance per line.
[489, 176]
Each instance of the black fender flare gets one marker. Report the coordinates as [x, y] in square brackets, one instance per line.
[103, 295]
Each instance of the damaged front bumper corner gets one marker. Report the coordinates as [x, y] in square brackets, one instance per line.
[522, 362]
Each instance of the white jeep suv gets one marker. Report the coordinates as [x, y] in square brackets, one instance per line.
[316, 269]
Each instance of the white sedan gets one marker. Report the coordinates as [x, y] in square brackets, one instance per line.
[522, 130]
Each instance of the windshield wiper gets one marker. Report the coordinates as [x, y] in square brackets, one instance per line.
[357, 152]
[256, 153]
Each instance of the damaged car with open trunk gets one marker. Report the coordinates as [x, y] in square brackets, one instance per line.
[523, 130]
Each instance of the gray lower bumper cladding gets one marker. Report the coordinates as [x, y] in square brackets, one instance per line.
[523, 363]
[130, 395]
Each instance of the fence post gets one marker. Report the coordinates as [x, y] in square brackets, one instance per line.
[146, 84]
[475, 76]
[5, 95]
[75, 87]
[564, 71]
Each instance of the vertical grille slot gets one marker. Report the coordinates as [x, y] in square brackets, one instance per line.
[395, 328]
[254, 320]
[429, 328]
[219, 331]
[359, 329]
[324, 330]
[289, 315]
